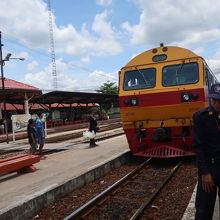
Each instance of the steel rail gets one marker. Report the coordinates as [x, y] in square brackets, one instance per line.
[91, 203]
[78, 134]
[139, 212]
[55, 150]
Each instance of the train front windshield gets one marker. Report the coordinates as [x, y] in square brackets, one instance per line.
[140, 79]
[186, 73]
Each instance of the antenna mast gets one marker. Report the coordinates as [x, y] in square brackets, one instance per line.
[52, 51]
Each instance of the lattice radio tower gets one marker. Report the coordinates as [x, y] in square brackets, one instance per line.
[52, 51]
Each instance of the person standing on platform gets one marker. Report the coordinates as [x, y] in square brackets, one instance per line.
[31, 131]
[92, 128]
[40, 132]
[206, 136]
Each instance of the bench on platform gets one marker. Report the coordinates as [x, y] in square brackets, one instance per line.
[22, 163]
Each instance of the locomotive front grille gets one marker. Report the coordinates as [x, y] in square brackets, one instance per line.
[164, 151]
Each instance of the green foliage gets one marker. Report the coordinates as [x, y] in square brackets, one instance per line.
[109, 88]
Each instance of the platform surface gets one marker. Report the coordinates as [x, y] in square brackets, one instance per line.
[190, 210]
[74, 160]
[57, 169]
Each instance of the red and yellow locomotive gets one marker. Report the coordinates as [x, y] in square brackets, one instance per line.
[159, 90]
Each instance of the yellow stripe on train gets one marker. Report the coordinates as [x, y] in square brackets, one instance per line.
[153, 115]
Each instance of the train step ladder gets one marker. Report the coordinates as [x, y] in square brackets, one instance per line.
[22, 163]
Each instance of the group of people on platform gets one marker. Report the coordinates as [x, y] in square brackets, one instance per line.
[36, 133]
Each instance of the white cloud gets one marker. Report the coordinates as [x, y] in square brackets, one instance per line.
[98, 77]
[85, 59]
[25, 20]
[102, 42]
[67, 79]
[103, 2]
[23, 55]
[32, 65]
[44, 79]
[28, 21]
[107, 41]
[214, 64]
[182, 22]
[199, 51]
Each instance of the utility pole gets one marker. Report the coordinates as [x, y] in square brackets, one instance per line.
[3, 88]
[52, 51]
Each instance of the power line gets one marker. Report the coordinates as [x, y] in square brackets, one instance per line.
[24, 46]
[16, 42]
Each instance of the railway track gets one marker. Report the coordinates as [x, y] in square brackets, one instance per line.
[100, 138]
[61, 129]
[63, 137]
[128, 197]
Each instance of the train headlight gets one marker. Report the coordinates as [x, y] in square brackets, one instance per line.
[127, 101]
[134, 101]
[186, 97]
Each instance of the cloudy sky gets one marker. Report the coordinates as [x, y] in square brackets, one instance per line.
[95, 38]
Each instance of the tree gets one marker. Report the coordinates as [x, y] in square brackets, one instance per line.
[109, 88]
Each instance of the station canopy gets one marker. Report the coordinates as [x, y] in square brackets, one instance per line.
[67, 97]
[16, 92]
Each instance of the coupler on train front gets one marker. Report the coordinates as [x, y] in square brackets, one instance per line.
[162, 142]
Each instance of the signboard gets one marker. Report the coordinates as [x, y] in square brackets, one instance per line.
[19, 122]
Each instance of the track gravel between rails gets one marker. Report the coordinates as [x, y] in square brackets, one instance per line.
[169, 205]
[127, 197]
[172, 201]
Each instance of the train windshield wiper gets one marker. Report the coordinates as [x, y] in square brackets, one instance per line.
[148, 80]
[179, 70]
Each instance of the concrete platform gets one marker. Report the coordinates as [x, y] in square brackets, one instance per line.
[190, 210]
[21, 196]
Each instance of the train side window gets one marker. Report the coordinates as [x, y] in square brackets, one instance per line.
[208, 78]
[186, 73]
[140, 79]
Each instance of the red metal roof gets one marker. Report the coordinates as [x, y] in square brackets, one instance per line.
[61, 105]
[10, 107]
[12, 84]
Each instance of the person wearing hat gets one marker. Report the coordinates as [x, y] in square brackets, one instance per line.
[206, 138]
